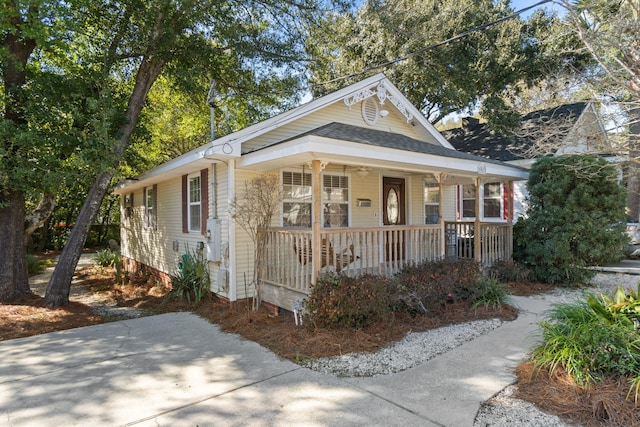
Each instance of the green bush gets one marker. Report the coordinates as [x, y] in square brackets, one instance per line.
[508, 271]
[106, 258]
[593, 339]
[489, 292]
[426, 286]
[34, 266]
[576, 218]
[350, 302]
[191, 279]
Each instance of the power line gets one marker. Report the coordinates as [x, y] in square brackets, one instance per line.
[411, 54]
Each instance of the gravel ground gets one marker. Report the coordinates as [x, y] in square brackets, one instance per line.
[415, 348]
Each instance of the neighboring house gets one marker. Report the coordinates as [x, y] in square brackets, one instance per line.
[567, 129]
[369, 185]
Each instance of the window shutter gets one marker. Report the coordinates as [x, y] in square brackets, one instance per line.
[185, 206]
[204, 199]
[154, 216]
[459, 202]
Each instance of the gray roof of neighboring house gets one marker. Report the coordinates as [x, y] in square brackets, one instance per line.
[477, 138]
[345, 132]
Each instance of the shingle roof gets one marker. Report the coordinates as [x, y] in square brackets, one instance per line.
[481, 141]
[345, 132]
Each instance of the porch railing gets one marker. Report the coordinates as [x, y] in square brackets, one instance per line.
[381, 250]
[496, 241]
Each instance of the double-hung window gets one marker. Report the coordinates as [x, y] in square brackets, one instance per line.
[335, 200]
[491, 200]
[431, 201]
[297, 199]
[150, 206]
[468, 201]
[194, 202]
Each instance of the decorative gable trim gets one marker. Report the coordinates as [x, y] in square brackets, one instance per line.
[383, 94]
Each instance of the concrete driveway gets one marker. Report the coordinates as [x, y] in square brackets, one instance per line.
[174, 369]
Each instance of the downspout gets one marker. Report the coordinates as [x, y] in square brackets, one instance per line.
[231, 190]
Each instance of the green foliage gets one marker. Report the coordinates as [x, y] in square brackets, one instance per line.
[106, 258]
[576, 218]
[191, 280]
[592, 339]
[348, 302]
[426, 286]
[451, 77]
[623, 307]
[490, 293]
[34, 266]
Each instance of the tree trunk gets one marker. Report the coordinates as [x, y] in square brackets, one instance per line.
[14, 281]
[57, 294]
[39, 216]
[18, 48]
[59, 285]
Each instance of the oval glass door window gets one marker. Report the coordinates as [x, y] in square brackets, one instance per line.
[392, 206]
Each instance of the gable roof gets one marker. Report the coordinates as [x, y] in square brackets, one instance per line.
[478, 138]
[378, 138]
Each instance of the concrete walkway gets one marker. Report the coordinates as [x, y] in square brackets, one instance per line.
[177, 369]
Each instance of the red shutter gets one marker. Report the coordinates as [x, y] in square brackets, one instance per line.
[204, 199]
[154, 217]
[458, 202]
[185, 206]
[506, 195]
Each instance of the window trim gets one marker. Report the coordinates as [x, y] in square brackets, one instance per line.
[480, 193]
[425, 203]
[325, 202]
[150, 212]
[302, 172]
[191, 204]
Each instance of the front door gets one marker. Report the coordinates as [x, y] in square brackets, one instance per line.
[393, 209]
[393, 213]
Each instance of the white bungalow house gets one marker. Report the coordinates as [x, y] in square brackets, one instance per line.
[369, 185]
[575, 128]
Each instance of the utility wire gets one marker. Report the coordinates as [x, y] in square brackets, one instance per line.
[433, 46]
[405, 57]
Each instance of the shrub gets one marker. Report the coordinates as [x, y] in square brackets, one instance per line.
[191, 278]
[344, 301]
[424, 287]
[576, 217]
[33, 265]
[490, 293]
[106, 258]
[508, 271]
[590, 342]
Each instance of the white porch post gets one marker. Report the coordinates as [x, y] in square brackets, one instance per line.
[316, 244]
[476, 235]
[231, 191]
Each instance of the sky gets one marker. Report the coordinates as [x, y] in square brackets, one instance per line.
[521, 4]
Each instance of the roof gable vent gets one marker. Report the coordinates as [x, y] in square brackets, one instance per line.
[370, 112]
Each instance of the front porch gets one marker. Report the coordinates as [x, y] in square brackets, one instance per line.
[294, 259]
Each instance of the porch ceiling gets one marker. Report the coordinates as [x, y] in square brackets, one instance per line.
[378, 150]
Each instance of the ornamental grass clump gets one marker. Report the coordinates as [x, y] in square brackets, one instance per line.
[593, 340]
[191, 280]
